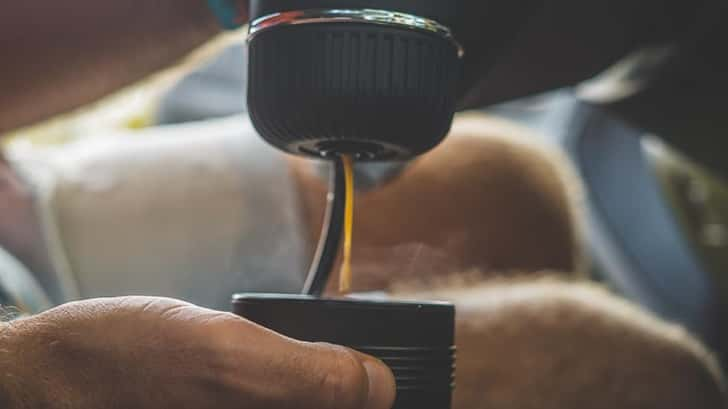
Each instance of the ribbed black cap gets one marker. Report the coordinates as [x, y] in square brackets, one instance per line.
[415, 339]
[381, 93]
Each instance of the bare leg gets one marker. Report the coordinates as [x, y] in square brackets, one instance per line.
[552, 345]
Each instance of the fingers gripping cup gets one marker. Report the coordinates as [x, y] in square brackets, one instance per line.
[416, 340]
[375, 79]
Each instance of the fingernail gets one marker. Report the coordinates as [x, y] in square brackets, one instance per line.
[382, 388]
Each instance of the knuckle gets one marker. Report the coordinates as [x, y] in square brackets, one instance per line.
[345, 382]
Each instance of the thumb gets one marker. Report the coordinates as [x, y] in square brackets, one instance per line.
[280, 372]
[340, 378]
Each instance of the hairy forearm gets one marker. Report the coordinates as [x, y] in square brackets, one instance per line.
[547, 344]
[59, 55]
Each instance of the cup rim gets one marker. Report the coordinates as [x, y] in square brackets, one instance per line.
[340, 302]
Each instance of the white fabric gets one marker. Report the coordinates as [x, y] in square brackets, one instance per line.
[35, 168]
[194, 211]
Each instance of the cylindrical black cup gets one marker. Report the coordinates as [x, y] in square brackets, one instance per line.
[415, 339]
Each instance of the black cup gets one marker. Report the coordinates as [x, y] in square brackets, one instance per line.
[415, 339]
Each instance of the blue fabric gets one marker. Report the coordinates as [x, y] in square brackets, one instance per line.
[226, 12]
[214, 90]
[18, 288]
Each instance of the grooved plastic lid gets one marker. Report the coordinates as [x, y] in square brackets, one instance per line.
[376, 86]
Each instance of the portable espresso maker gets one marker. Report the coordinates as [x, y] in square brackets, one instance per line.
[374, 80]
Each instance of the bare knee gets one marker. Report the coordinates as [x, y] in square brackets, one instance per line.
[554, 345]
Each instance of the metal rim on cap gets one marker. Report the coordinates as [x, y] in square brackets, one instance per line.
[370, 16]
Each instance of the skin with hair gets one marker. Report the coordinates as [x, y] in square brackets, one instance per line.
[548, 344]
[157, 353]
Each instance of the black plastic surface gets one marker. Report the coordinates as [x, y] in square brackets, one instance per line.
[416, 340]
[330, 239]
[380, 93]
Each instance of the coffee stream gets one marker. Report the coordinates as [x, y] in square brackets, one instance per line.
[345, 273]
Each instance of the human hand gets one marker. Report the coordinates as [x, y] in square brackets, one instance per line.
[142, 352]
